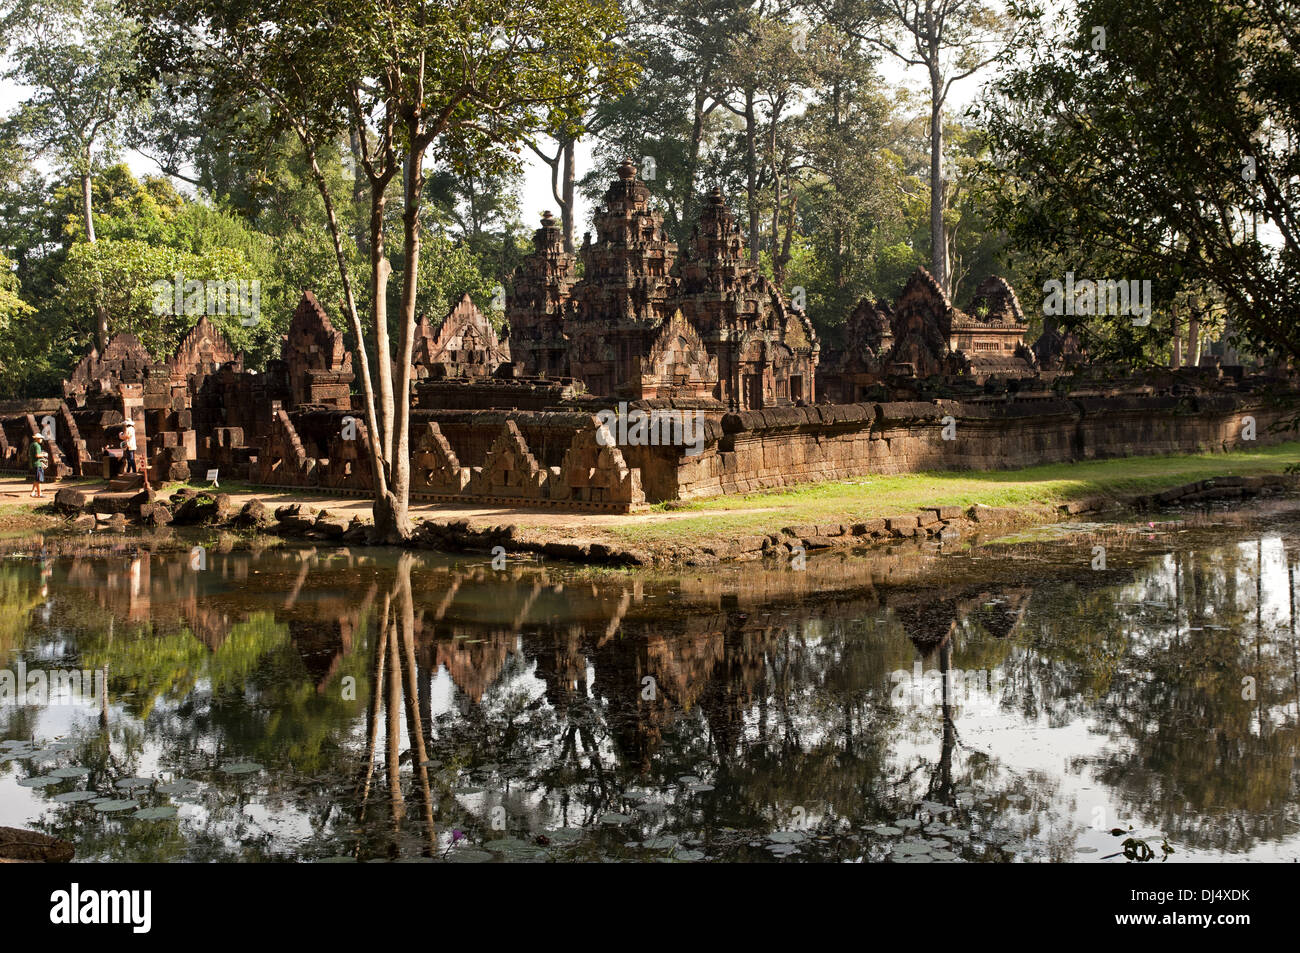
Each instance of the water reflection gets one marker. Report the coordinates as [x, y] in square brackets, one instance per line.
[999, 703]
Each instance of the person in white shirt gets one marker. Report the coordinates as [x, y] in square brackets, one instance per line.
[128, 444]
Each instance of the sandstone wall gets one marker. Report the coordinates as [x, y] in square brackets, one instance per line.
[785, 446]
[531, 458]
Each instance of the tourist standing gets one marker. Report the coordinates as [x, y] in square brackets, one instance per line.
[128, 445]
[39, 458]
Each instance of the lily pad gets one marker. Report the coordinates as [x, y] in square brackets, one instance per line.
[44, 781]
[469, 855]
[787, 837]
[155, 813]
[114, 806]
[689, 855]
[133, 784]
[564, 835]
[242, 767]
[513, 847]
[179, 787]
[71, 797]
[613, 817]
[72, 771]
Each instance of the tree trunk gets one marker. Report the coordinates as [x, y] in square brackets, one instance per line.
[1194, 338]
[786, 241]
[377, 466]
[380, 269]
[692, 165]
[87, 212]
[359, 188]
[837, 229]
[751, 174]
[566, 205]
[392, 523]
[1177, 357]
[88, 218]
[394, 722]
[938, 244]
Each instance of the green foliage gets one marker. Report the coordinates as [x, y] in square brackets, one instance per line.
[1165, 150]
[122, 274]
[75, 59]
[448, 270]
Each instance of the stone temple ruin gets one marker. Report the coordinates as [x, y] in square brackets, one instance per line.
[646, 375]
[643, 324]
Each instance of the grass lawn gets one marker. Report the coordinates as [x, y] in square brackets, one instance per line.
[869, 497]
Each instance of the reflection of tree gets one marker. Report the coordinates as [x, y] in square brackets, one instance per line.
[394, 698]
[20, 593]
[1159, 665]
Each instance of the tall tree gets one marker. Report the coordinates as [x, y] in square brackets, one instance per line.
[465, 83]
[1160, 140]
[950, 40]
[76, 57]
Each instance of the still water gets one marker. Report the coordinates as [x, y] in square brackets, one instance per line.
[1101, 693]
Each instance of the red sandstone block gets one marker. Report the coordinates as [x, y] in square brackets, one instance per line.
[947, 512]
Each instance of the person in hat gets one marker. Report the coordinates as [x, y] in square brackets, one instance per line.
[128, 446]
[39, 458]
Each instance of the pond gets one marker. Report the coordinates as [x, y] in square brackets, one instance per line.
[1096, 693]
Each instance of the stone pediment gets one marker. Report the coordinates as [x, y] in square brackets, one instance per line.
[995, 302]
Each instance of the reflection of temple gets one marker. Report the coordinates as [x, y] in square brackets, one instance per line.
[931, 623]
[771, 692]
